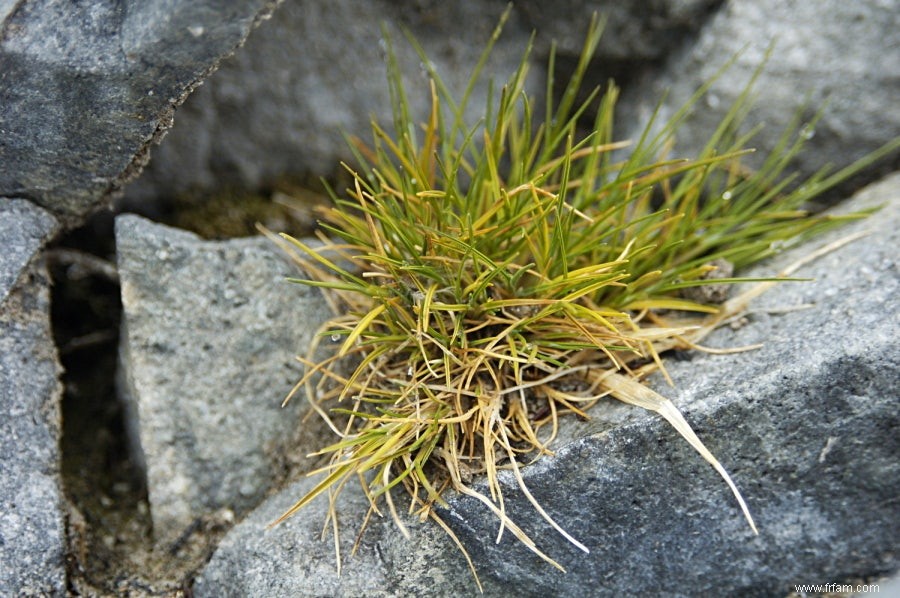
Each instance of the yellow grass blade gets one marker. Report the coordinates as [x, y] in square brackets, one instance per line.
[361, 327]
[633, 392]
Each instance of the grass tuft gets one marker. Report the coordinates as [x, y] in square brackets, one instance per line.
[490, 278]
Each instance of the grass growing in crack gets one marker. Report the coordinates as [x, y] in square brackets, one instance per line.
[490, 278]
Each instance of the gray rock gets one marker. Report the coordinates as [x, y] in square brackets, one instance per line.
[642, 31]
[294, 559]
[316, 69]
[210, 334]
[86, 88]
[23, 229]
[806, 426]
[844, 56]
[284, 561]
[32, 534]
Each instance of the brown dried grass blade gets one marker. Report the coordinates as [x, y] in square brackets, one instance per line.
[633, 392]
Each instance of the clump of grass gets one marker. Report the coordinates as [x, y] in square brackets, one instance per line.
[490, 278]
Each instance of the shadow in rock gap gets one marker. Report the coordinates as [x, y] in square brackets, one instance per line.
[105, 490]
[109, 525]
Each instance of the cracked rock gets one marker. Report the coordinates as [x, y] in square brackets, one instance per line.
[87, 87]
[32, 533]
[210, 334]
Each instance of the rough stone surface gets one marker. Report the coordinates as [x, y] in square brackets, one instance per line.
[290, 560]
[23, 229]
[210, 334]
[32, 536]
[842, 55]
[807, 426]
[86, 87]
[314, 70]
[286, 563]
[278, 107]
[644, 31]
